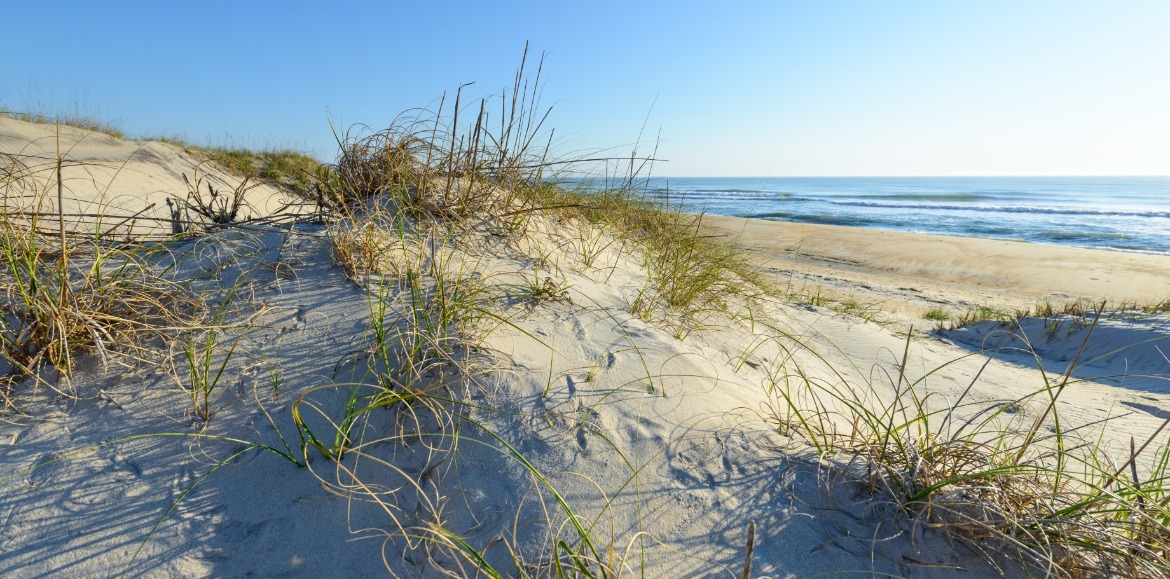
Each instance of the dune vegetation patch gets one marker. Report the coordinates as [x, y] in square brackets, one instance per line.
[67, 294]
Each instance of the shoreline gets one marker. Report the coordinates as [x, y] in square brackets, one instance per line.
[913, 272]
[1117, 213]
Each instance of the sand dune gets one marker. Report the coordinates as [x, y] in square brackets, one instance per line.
[571, 418]
[127, 183]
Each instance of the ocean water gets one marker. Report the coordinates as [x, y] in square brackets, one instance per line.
[1120, 213]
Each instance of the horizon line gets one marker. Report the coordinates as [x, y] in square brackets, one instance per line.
[965, 176]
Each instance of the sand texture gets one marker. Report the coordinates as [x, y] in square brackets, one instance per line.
[118, 187]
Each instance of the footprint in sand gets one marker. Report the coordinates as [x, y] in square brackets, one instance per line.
[182, 480]
[701, 459]
[579, 331]
[243, 454]
[257, 535]
[47, 468]
[119, 481]
[645, 432]
[299, 320]
[12, 532]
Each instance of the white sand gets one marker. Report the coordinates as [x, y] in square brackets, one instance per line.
[125, 182]
[665, 449]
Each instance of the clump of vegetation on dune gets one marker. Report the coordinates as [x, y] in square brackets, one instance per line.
[292, 170]
[1031, 487]
[414, 211]
[66, 293]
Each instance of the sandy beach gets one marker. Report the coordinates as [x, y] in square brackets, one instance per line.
[382, 393]
[911, 273]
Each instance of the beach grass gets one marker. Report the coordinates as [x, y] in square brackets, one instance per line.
[291, 169]
[936, 314]
[79, 118]
[1044, 491]
[69, 292]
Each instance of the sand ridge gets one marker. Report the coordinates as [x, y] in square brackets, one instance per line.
[127, 183]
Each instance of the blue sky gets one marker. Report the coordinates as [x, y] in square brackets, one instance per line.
[754, 88]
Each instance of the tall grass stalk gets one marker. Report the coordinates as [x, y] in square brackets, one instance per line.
[206, 362]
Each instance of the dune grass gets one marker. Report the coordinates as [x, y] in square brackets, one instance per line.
[78, 118]
[1049, 495]
[407, 206]
[68, 293]
[1077, 312]
[936, 314]
[290, 169]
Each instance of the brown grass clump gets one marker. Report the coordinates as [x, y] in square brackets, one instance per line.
[436, 164]
[64, 293]
[1045, 496]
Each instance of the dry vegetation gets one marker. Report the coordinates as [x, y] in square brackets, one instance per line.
[66, 293]
[1053, 500]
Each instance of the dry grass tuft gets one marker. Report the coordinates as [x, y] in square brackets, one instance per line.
[1033, 490]
[63, 294]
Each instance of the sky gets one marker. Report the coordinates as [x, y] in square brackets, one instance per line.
[780, 88]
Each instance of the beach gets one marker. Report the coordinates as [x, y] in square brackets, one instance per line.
[524, 383]
[911, 273]
[776, 290]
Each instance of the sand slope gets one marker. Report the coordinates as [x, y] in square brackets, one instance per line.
[127, 183]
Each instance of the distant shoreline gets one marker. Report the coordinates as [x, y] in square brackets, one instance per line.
[911, 271]
[958, 235]
[1130, 214]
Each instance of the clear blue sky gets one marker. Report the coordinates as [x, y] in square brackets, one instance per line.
[734, 88]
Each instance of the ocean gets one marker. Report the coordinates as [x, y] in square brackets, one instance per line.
[1119, 213]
